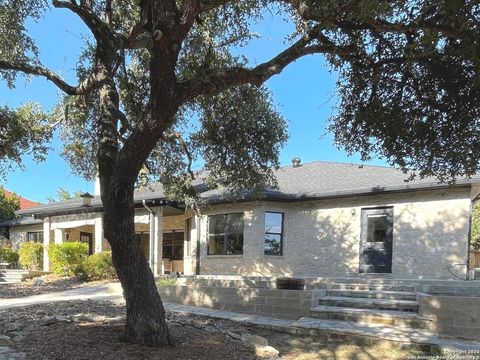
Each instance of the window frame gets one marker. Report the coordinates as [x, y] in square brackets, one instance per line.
[274, 233]
[38, 235]
[225, 235]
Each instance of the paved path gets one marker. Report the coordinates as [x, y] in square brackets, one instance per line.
[110, 291]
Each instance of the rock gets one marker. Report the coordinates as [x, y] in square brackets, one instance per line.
[4, 349]
[95, 318]
[79, 317]
[4, 340]
[38, 281]
[253, 340]
[15, 326]
[62, 318]
[266, 351]
[49, 320]
[233, 335]
[196, 324]
[113, 319]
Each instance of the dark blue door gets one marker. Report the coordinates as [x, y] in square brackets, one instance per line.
[376, 240]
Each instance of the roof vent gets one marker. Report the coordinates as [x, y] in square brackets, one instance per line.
[296, 161]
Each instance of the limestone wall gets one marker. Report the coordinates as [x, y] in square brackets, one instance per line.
[455, 316]
[322, 238]
[18, 234]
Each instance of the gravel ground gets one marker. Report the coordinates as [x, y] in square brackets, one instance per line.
[78, 330]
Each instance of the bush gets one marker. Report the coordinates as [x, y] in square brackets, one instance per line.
[166, 281]
[65, 258]
[31, 256]
[97, 267]
[8, 255]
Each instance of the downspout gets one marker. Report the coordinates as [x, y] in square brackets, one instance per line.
[197, 250]
[151, 235]
[470, 221]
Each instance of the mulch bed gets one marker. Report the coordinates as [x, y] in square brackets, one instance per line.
[100, 341]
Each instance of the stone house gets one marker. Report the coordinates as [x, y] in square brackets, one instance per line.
[325, 219]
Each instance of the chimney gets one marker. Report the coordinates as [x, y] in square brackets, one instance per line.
[296, 161]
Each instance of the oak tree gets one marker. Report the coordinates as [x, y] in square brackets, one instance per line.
[159, 84]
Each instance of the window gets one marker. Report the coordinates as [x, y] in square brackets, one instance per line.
[189, 227]
[225, 234]
[273, 233]
[36, 236]
[173, 245]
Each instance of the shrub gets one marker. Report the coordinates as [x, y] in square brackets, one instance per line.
[97, 267]
[166, 281]
[31, 255]
[65, 258]
[8, 255]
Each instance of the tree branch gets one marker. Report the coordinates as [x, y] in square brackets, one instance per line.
[175, 136]
[219, 80]
[99, 29]
[94, 81]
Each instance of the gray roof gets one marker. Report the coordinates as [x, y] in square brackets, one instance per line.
[314, 180]
[21, 221]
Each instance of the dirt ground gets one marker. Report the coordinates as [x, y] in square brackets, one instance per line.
[96, 340]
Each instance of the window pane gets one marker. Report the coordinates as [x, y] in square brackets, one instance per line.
[273, 222]
[216, 245]
[234, 244]
[234, 224]
[216, 224]
[273, 244]
[377, 228]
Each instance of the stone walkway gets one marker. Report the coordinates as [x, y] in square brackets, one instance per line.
[311, 326]
[107, 292]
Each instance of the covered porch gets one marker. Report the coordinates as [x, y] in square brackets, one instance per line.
[160, 231]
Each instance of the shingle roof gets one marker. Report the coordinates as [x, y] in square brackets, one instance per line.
[314, 180]
[24, 203]
[21, 221]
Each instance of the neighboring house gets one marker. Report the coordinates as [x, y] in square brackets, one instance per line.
[24, 203]
[324, 220]
[22, 225]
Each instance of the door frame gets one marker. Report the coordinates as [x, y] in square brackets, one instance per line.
[388, 242]
[89, 242]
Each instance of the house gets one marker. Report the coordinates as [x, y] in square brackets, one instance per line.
[325, 219]
[24, 203]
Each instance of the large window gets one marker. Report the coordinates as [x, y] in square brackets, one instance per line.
[225, 234]
[36, 236]
[273, 233]
[173, 245]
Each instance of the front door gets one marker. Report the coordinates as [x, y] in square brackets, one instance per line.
[376, 240]
[88, 238]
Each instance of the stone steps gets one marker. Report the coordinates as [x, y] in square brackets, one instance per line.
[12, 276]
[372, 287]
[377, 294]
[374, 317]
[368, 303]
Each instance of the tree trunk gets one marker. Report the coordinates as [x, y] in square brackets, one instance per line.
[146, 322]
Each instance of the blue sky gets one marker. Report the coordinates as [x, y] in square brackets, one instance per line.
[304, 93]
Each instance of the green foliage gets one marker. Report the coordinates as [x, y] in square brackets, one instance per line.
[31, 256]
[166, 281]
[23, 131]
[8, 255]
[475, 232]
[65, 258]
[63, 195]
[96, 267]
[8, 205]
